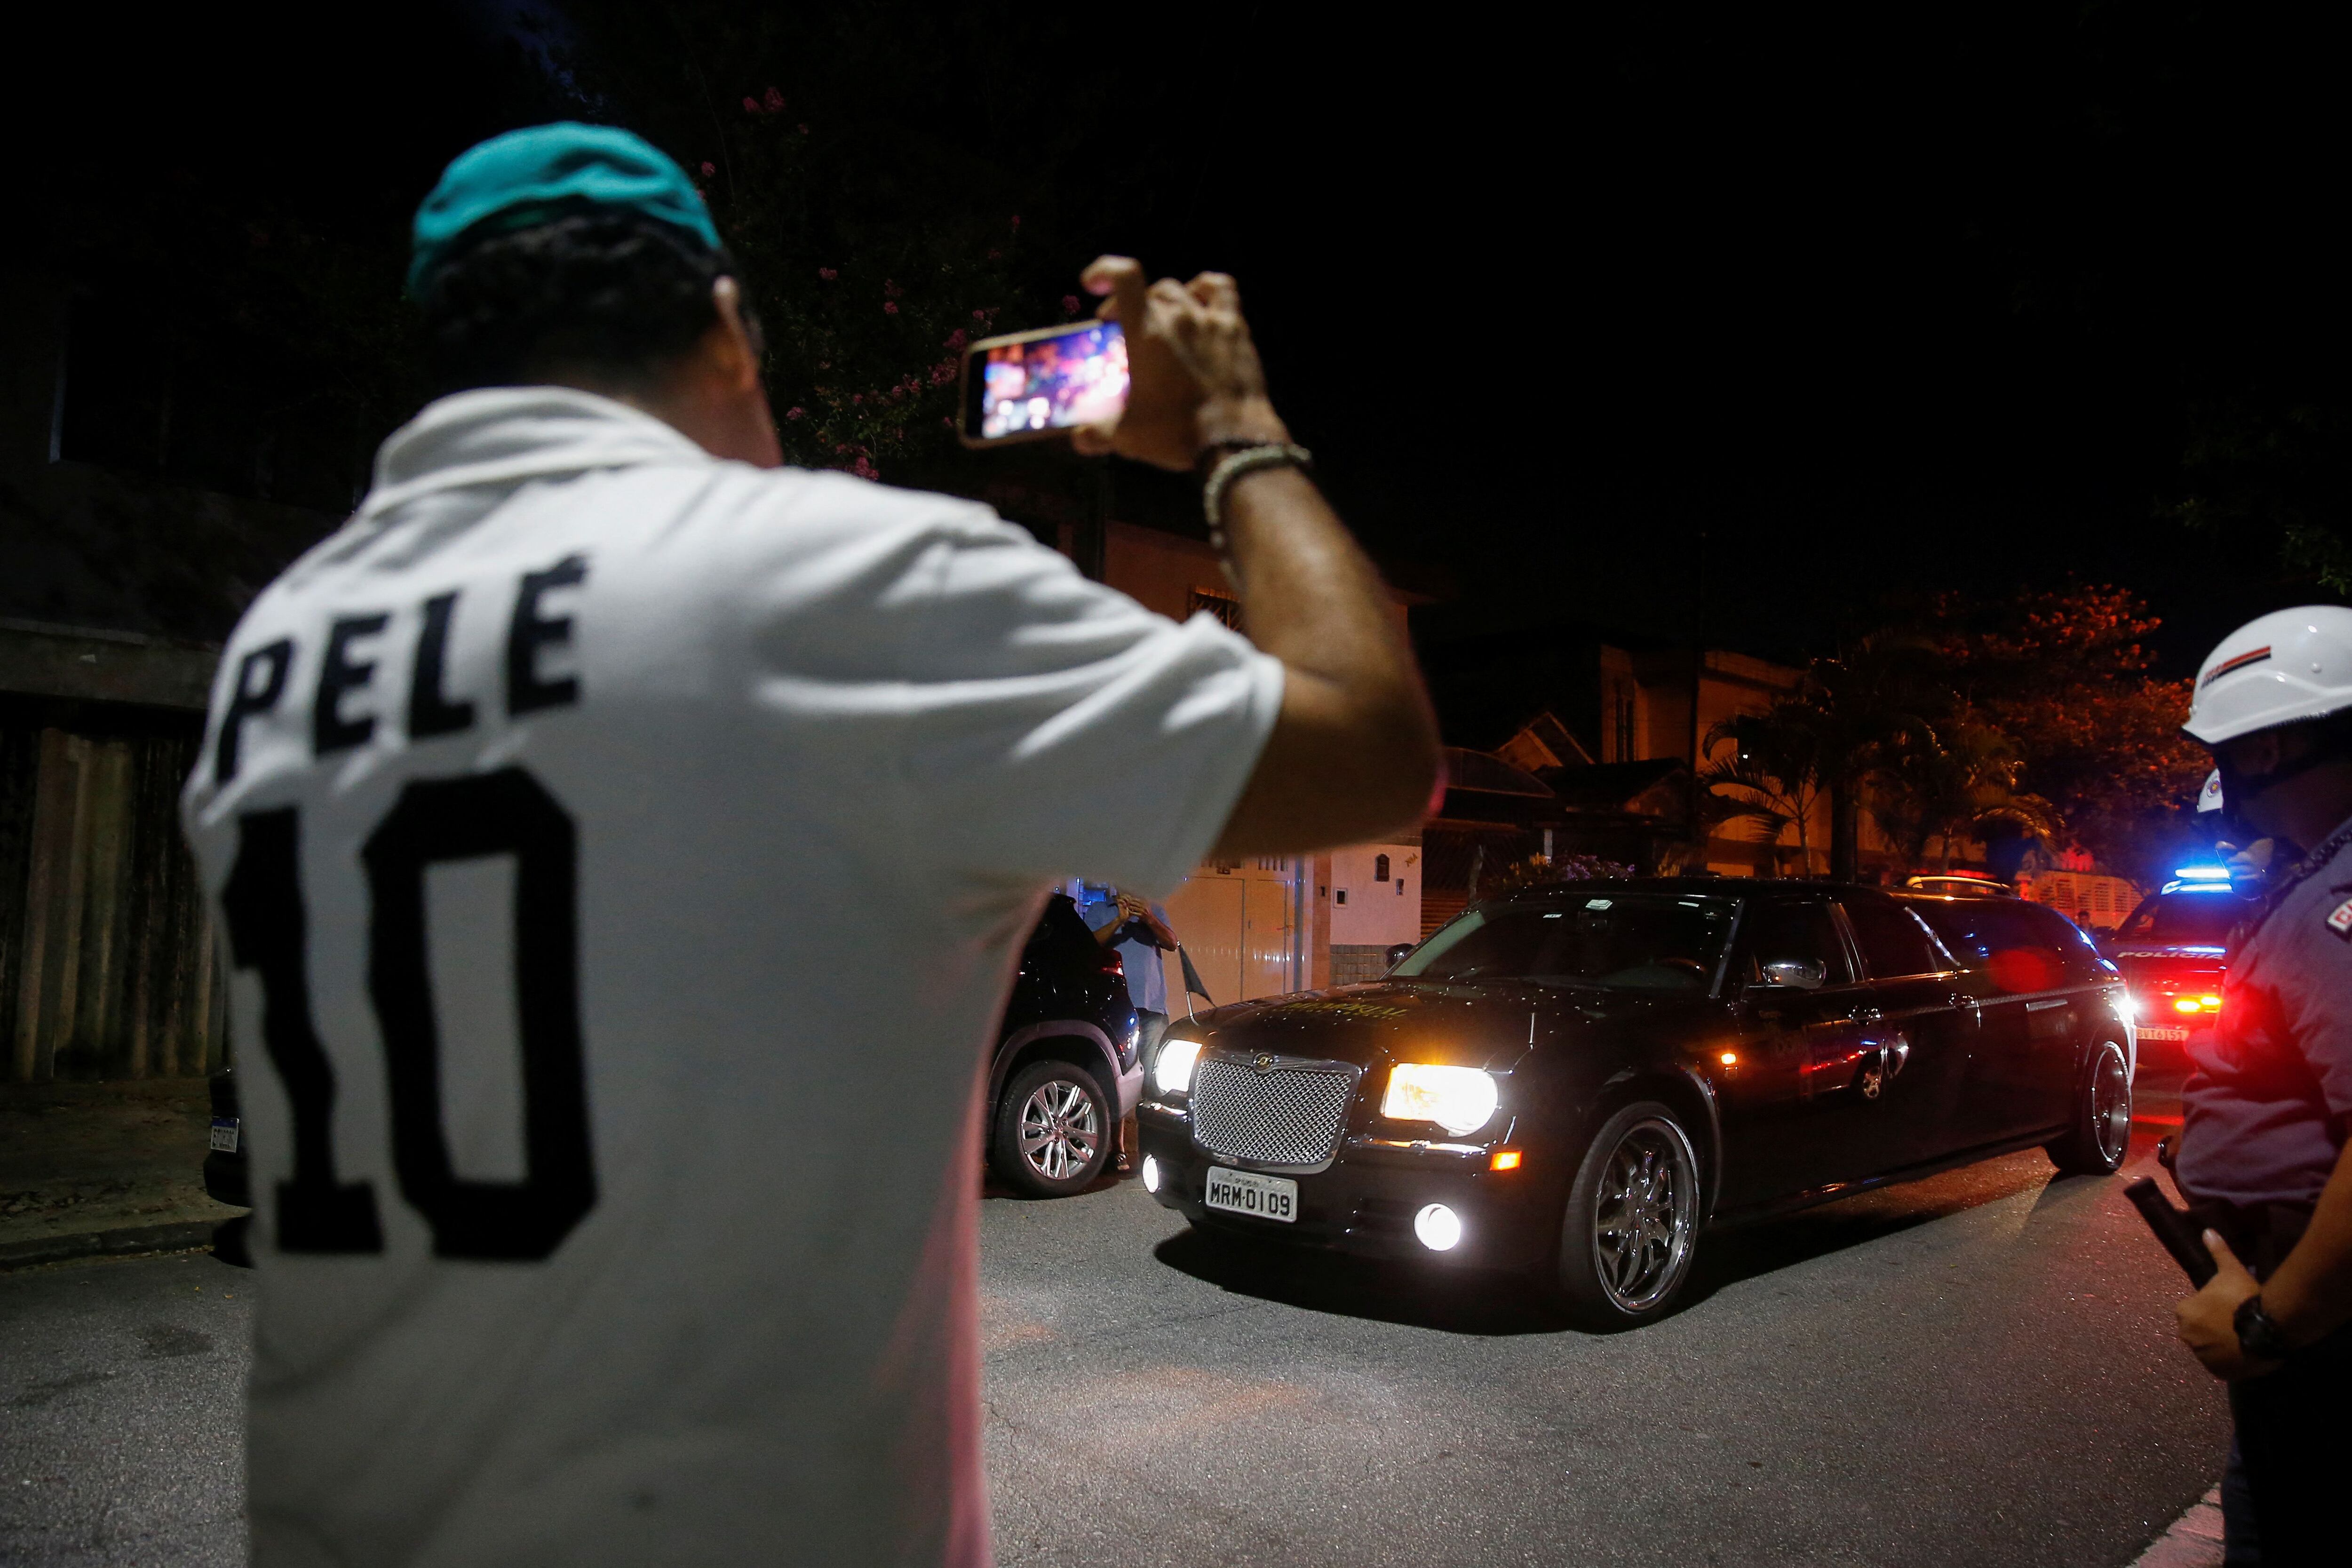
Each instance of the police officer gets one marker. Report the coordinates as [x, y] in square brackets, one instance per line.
[2269, 1100]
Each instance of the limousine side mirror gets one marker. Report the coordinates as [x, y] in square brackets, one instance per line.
[1396, 955]
[1800, 973]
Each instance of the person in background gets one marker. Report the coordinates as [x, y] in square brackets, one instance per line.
[1141, 932]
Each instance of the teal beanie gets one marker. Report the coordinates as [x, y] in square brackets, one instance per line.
[530, 176]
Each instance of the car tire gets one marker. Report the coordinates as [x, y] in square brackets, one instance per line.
[1055, 1130]
[2100, 1134]
[1630, 1229]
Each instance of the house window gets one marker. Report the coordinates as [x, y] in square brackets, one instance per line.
[1379, 867]
[1399, 887]
[1338, 895]
[1621, 704]
[1224, 606]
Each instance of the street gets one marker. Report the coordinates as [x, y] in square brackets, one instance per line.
[1974, 1370]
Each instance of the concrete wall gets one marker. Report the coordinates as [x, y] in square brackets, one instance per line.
[1366, 912]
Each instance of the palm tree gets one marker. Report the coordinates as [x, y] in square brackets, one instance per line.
[1957, 782]
[1851, 718]
[1772, 776]
[1872, 703]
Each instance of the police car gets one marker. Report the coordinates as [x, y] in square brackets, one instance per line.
[2170, 949]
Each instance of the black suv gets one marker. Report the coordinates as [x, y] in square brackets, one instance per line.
[1067, 1069]
[1067, 1066]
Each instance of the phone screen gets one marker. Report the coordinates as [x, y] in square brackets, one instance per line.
[1034, 384]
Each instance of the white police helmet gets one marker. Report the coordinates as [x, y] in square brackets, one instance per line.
[2279, 668]
[2209, 797]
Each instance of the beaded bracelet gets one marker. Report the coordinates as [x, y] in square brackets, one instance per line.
[1237, 462]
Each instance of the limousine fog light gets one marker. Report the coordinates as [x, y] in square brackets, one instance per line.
[1172, 1073]
[1460, 1100]
[1150, 1174]
[1438, 1227]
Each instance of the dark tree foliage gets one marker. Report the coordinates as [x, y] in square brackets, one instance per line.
[897, 179]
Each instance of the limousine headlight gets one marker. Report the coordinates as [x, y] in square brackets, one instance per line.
[1172, 1073]
[1460, 1100]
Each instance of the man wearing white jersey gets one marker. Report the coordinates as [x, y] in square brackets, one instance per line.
[614, 1121]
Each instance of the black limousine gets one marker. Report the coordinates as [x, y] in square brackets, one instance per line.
[1573, 1083]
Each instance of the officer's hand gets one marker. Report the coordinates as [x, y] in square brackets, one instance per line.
[2205, 1319]
[1193, 376]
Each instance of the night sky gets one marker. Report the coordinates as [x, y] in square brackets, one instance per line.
[1839, 307]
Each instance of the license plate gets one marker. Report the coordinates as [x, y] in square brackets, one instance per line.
[225, 1135]
[1247, 1192]
[2164, 1033]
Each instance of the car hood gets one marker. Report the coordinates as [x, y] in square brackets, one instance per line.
[1490, 1024]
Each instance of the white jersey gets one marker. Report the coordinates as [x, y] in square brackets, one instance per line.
[623, 856]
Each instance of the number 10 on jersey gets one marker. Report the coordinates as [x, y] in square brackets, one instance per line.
[503, 813]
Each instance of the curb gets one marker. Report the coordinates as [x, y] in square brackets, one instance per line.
[122, 1240]
[2193, 1541]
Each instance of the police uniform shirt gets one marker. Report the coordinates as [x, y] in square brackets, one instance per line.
[620, 856]
[2270, 1095]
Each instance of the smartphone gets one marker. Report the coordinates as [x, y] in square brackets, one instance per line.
[1028, 385]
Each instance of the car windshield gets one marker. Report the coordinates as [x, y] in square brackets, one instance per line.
[2186, 919]
[1623, 941]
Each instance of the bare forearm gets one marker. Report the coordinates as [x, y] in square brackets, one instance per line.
[1357, 749]
[2311, 1292]
[1354, 750]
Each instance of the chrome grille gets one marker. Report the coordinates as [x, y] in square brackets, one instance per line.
[1284, 1116]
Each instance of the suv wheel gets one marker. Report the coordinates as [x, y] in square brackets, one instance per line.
[1053, 1130]
[2100, 1135]
[1631, 1223]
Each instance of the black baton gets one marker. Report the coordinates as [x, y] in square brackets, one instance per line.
[2181, 1235]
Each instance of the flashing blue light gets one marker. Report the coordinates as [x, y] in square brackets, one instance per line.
[2197, 888]
[2202, 873]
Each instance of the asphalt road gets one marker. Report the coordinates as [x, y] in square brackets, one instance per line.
[120, 1423]
[1975, 1370]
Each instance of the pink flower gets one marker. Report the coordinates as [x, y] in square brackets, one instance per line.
[956, 339]
[890, 290]
[995, 255]
[889, 309]
[840, 447]
[827, 273]
[1070, 304]
[856, 397]
[709, 168]
[751, 106]
[803, 129]
[980, 315]
[772, 101]
[1016, 220]
[795, 412]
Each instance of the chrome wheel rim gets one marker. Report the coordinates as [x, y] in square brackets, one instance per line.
[2111, 1105]
[1061, 1130]
[1646, 1216]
